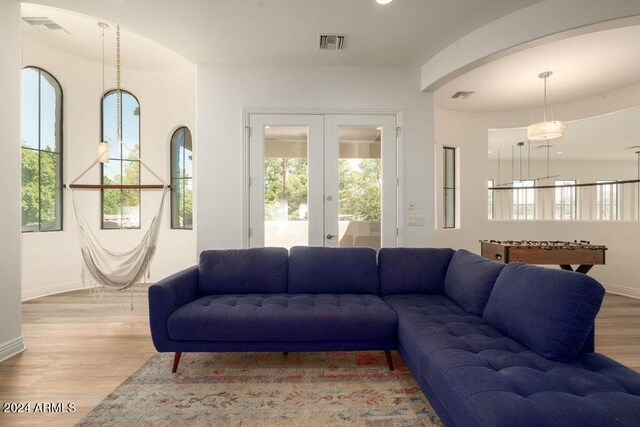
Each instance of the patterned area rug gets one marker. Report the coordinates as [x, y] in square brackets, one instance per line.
[268, 389]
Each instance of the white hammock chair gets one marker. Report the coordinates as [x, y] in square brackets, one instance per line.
[103, 269]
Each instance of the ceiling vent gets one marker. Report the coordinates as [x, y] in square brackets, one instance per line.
[464, 94]
[331, 42]
[633, 147]
[36, 20]
[543, 147]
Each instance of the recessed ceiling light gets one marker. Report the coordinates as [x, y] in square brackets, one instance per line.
[489, 152]
[384, 1]
[267, 127]
[558, 152]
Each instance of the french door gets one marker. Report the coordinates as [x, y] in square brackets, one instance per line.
[322, 180]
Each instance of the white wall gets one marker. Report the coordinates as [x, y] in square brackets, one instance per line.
[223, 92]
[11, 341]
[51, 260]
[470, 132]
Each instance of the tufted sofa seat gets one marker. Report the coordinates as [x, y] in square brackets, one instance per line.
[471, 370]
[285, 317]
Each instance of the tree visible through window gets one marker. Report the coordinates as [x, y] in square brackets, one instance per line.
[41, 142]
[121, 207]
[182, 179]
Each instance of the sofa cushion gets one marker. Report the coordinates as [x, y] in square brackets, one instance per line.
[413, 270]
[317, 270]
[284, 318]
[243, 271]
[483, 378]
[470, 279]
[550, 311]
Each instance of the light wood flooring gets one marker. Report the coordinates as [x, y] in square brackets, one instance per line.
[78, 351]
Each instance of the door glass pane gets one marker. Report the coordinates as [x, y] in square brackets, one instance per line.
[360, 186]
[286, 216]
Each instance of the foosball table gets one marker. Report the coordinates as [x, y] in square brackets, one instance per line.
[564, 254]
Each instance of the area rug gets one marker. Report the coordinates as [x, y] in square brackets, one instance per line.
[267, 389]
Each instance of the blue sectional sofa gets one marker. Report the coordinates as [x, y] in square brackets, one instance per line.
[490, 345]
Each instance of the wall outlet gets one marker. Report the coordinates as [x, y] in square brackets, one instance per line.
[416, 220]
[412, 205]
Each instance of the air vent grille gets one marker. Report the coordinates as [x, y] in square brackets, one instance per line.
[39, 20]
[464, 94]
[542, 147]
[331, 42]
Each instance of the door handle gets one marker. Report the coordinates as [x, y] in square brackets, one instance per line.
[331, 236]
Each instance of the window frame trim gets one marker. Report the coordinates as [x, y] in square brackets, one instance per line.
[60, 153]
[444, 187]
[100, 138]
[171, 170]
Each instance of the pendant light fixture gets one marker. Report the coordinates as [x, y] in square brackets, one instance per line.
[546, 129]
[103, 147]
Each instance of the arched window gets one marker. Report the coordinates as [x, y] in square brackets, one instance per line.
[182, 179]
[41, 142]
[121, 207]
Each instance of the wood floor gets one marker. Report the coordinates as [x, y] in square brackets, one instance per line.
[78, 351]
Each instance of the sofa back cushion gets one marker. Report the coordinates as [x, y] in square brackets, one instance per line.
[470, 279]
[318, 270]
[413, 270]
[550, 311]
[243, 271]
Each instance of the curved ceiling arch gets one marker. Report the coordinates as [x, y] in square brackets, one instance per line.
[554, 20]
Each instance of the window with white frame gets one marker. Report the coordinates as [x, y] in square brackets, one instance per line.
[607, 201]
[524, 206]
[565, 201]
[449, 187]
[490, 184]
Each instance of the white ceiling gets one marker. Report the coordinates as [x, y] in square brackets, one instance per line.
[285, 32]
[583, 66]
[601, 138]
[81, 36]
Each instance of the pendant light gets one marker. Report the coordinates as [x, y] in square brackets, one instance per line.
[546, 129]
[103, 147]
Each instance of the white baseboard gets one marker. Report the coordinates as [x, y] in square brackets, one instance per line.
[11, 348]
[622, 290]
[72, 286]
[51, 289]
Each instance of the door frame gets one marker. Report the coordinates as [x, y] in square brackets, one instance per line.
[246, 193]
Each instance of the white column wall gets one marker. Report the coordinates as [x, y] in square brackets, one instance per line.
[11, 341]
[223, 92]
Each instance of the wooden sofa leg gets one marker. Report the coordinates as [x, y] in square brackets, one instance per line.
[176, 360]
[389, 361]
[286, 353]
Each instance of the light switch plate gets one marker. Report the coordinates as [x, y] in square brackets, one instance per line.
[416, 220]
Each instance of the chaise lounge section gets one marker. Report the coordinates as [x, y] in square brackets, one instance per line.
[490, 345]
